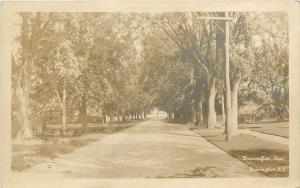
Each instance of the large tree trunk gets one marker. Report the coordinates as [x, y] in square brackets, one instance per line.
[199, 114]
[211, 121]
[83, 113]
[199, 111]
[234, 107]
[25, 82]
[23, 97]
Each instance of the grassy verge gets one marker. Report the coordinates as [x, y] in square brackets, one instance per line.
[119, 127]
[25, 156]
[268, 158]
[273, 128]
[277, 131]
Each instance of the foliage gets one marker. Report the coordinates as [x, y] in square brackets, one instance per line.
[124, 64]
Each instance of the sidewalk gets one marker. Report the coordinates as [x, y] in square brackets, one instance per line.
[264, 136]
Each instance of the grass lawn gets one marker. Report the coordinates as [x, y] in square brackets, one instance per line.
[268, 158]
[276, 128]
[278, 131]
[25, 156]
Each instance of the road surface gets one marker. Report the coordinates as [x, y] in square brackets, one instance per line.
[151, 149]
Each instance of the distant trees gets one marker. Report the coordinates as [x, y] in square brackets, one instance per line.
[196, 40]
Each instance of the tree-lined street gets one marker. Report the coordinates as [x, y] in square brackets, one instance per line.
[87, 85]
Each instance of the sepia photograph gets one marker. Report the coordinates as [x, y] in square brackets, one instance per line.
[118, 95]
[150, 95]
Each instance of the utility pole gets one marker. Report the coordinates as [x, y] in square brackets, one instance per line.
[227, 83]
[226, 72]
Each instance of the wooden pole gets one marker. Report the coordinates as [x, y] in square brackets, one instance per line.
[228, 119]
[227, 83]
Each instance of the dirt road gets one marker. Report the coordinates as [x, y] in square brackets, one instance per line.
[151, 149]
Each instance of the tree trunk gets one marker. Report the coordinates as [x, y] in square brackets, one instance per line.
[234, 107]
[23, 96]
[118, 118]
[24, 83]
[199, 113]
[193, 115]
[142, 115]
[123, 115]
[223, 107]
[64, 109]
[111, 117]
[103, 118]
[44, 126]
[205, 109]
[101, 115]
[107, 118]
[211, 121]
[83, 113]
[198, 108]
[175, 115]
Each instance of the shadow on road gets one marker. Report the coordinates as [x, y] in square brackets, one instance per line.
[207, 172]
